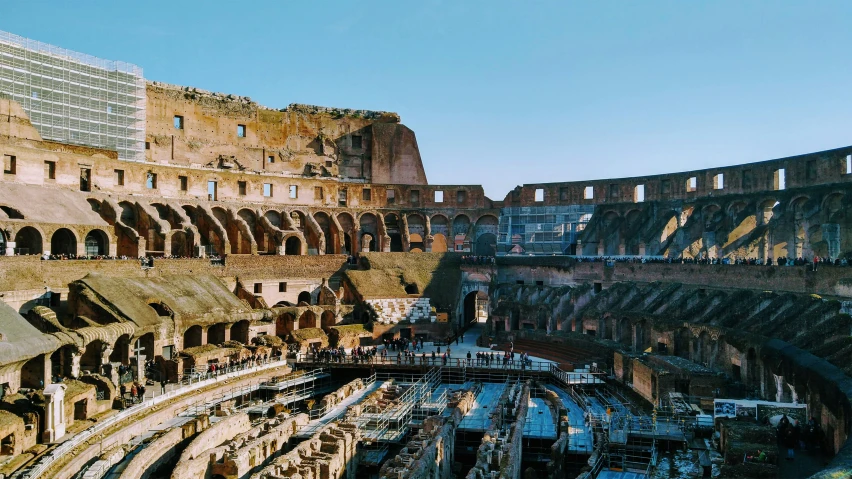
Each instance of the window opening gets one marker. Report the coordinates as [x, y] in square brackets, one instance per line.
[183, 182]
[639, 194]
[779, 179]
[211, 190]
[366, 194]
[241, 131]
[719, 181]
[294, 191]
[50, 170]
[178, 122]
[151, 181]
[119, 177]
[241, 187]
[267, 190]
[539, 194]
[439, 196]
[589, 192]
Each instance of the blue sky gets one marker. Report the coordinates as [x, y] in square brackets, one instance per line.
[503, 93]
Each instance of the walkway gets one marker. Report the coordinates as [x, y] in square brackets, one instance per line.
[486, 401]
[539, 423]
[336, 412]
[580, 439]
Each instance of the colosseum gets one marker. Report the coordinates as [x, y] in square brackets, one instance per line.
[194, 285]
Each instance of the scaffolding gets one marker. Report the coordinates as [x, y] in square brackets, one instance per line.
[75, 98]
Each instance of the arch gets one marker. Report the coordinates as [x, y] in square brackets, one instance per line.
[274, 218]
[329, 231]
[180, 244]
[475, 307]
[486, 235]
[461, 224]
[28, 240]
[240, 331]
[63, 241]
[32, 373]
[97, 243]
[284, 325]
[61, 361]
[304, 298]
[393, 230]
[147, 343]
[416, 232]
[439, 224]
[92, 357]
[411, 288]
[765, 210]
[369, 225]
[308, 320]
[161, 309]
[832, 204]
[121, 350]
[192, 337]
[327, 319]
[347, 224]
[216, 333]
[293, 246]
[298, 219]
[416, 244]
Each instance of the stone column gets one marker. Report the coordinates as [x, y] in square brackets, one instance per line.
[365, 242]
[427, 243]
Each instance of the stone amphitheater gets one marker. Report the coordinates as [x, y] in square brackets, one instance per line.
[197, 286]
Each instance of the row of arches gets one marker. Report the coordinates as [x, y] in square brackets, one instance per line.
[63, 241]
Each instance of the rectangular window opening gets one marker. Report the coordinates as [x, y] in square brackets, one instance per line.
[539, 194]
[318, 193]
[241, 131]
[691, 184]
[342, 197]
[184, 182]
[50, 170]
[439, 196]
[10, 164]
[779, 180]
[85, 179]
[282, 287]
[665, 187]
[119, 177]
[719, 181]
[267, 190]
[391, 196]
[212, 191]
[639, 194]
[366, 194]
[270, 159]
[294, 192]
[151, 181]
[241, 188]
[178, 122]
[746, 179]
[258, 288]
[357, 142]
[414, 197]
[811, 170]
[461, 196]
[147, 145]
[849, 164]
[564, 194]
[589, 193]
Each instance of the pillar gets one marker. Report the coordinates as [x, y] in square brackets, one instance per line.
[54, 420]
[427, 243]
[10, 248]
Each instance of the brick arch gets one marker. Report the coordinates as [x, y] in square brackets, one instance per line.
[795, 200]
[830, 195]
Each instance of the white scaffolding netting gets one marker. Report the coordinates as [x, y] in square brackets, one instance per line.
[75, 98]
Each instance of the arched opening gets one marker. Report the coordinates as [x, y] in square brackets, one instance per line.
[486, 235]
[14, 214]
[701, 348]
[346, 225]
[192, 337]
[180, 245]
[96, 243]
[308, 320]
[329, 231]
[92, 357]
[121, 350]
[32, 374]
[327, 319]
[63, 241]
[28, 241]
[752, 376]
[369, 226]
[461, 227]
[254, 231]
[216, 333]
[146, 341]
[416, 233]
[293, 246]
[61, 362]
[304, 299]
[515, 319]
[284, 325]
[392, 229]
[625, 331]
[411, 288]
[475, 307]
[240, 331]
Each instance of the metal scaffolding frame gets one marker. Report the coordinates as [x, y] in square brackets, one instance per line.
[76, 98]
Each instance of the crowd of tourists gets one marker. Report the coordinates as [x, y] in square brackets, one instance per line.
[473, 259]
[782, 261]
[792, 435]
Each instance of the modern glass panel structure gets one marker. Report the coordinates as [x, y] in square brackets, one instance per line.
[75, 98]
[542, 229]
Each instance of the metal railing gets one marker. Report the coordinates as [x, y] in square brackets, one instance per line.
[46, 461]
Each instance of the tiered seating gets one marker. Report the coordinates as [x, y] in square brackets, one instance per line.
[566, 357]
[392, 311]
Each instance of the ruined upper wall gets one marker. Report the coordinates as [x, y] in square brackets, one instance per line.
[297, 140]
[812, 169]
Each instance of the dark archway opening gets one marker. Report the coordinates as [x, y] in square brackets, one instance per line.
[475, 307]
[63, 242]
[293, 246]
[96, 243]
[216, 333]
[240, 331]
[192, 337]
[284, 325]
[308, 320]
[32, 374]
[304, 298]
[28, 241]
